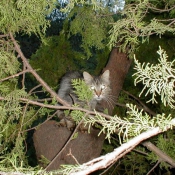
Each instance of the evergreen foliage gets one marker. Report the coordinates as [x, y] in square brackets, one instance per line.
[89, 21]
[91, 25]
[27, 17]
[54, 59]
[82, 90]
[134, 25]
[159, 79]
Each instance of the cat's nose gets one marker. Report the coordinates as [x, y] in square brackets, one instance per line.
[98, 93]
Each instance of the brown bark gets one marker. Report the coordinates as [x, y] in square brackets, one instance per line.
[118, 65]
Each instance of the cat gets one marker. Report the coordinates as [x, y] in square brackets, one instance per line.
[99, 85]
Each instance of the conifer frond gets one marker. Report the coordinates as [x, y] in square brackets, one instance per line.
[157, 79]
[134, 124]
[82, 90]
[22, 16]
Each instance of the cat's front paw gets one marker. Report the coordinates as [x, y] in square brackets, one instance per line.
[83, 128]
[66, 123]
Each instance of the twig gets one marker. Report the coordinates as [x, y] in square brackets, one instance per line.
[24, 75]
[24, 100]
[30, 92]
[145, 108]
[15, 75]
[153, 167]
[160, 10]
[67, 142]
[107, 169]
[70, 154]
[3, 36]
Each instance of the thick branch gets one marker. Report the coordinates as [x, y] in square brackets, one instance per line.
[104, 161]
[164, 157]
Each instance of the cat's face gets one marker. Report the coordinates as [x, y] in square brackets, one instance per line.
[98, 85]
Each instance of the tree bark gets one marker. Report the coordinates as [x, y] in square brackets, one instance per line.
[118, 65]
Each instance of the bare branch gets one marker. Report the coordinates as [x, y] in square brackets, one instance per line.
[164, 157]
[70, 138]
[39, 79]
[145, 108]
[25, 100]
[150, 6]
[30, 92]
[15, 75]
[153, 167]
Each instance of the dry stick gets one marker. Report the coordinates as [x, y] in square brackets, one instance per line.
[61, 107]
[70, 154]
[24, 75]
[39, 85]
[15, 75]
[164, 157]
[145, 108]
[44, 84]
[107, 169]
[153, 168]
[106, 160]
[3, 36]
[25, 100]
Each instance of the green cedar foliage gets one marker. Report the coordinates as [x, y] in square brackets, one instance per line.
[92, 25]
[54, 59]
[82, 90]
[17, 16]
[11, 138]
[25, 16]
[136, 25]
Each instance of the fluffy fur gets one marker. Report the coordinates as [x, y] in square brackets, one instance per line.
[99, 85]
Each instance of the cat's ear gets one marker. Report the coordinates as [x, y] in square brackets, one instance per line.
[105, 75]
[87, 77]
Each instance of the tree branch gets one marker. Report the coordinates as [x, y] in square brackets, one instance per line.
[25, 100]
[39, 79]
[145, 108]
[108, 159]
[164, 157]
[15, 75]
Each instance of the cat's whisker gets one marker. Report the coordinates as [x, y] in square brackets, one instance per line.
[110, 101]
[112, 98]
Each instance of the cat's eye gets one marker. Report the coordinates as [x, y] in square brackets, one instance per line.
[92, 87]
[103, 87]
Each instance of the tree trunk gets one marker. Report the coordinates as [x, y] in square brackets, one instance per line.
[118, 65]
[48, 140]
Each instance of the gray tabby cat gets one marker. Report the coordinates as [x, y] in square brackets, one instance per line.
[99, 85]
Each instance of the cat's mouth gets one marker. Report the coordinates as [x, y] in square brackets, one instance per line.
[98, 98]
